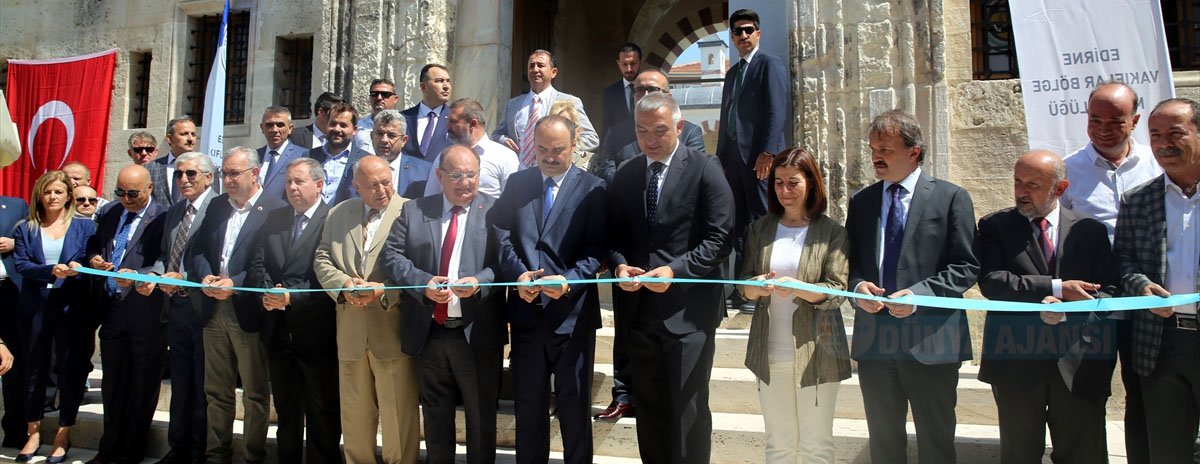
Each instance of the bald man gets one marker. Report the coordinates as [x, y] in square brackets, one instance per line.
[1046, 368]
[132, 333]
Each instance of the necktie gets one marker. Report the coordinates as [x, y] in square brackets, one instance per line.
[441, 310]
[1044, 241]
[298, 226]
[428, 136]
[271, 166]
[893, 234]
[548, 199]
[738, 79]
[366, 237]
[652, 191]
[179, 242]
[122, 239]
[631, 102]
[535, 109]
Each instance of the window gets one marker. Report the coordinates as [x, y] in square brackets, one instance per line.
[711, 60]
[293, 75]
[204, 35]
[139, 88]
[1181, 19]
[994, 54]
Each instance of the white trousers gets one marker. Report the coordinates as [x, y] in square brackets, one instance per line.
[799, 421]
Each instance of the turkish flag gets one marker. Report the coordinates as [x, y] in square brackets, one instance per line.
[61, 108]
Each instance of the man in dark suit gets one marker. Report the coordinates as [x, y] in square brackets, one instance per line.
[618, 97]
[1047, 368]
[219, 257]
[181, 138]
[337, 156]
[909, 234]
[753, 123]
[278, 152]
[1156, 255]
[187, 426]
[550, 227]
[132, 341]
[12, 210]
[620, 141]
[457, 332]
[670, 213]
[299, 328]
[427, 119]
[313, 135]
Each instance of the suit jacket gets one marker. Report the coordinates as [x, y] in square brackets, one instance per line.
[1018, 347]
[158, 175]
[344, 190]
[935, 259]
[1141, 248]
[620, 144]
[570, 242]
[588, 139]
[616, 107]
[308, 324]
[36, 275]
[302, 136]
[761, 120]
[691, 235]
[411, 256]
[173, 220]
[340, 256]
[274, 184]
[12, 211]
[440, 139]
[127, 309]
[203, 257]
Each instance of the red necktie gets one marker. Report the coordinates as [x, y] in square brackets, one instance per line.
[1045, 242]
[441, 310]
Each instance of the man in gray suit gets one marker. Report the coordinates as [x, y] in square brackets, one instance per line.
[181, 138]
[278, 152]
[909, 234]
[521, 113]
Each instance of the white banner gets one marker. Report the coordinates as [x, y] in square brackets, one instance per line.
[1065, 48]
[213, 131]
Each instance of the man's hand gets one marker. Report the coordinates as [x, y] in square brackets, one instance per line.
[272, 301]
[624, 272]
[168, 288]
[6, 359]
[212, 283]
[124, 282]
[898, 310]
[510, 143]
[144, 288]
[762, 165]
[98, 262]
[662, 272]
[868, 288]
[552, 289]
[529, 292]
[754, 292]
[1157, 290]
[1078, 290]
[436, 290]
[7, 244]
[465, 287]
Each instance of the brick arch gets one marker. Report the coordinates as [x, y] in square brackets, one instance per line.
[671, 28]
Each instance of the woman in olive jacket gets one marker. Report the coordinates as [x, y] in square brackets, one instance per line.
[797, 346]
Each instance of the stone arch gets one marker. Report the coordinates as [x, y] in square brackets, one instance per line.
[667, 28]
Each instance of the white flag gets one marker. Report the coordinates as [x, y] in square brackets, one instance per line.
[214, 98]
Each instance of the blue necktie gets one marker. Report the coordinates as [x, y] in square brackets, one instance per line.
[298, 227]
[119, 249]
[893, 234]
[652, 191]
[548, 199]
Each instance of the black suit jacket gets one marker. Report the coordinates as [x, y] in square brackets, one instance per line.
[691, 235]
[761, 120]
[12, 211]
[309, 323]
[616, 106]
[440, 139]
[570, 243]
[936, 259]
[620, 144]
[203, 257]
[127, 309]
[411, 256]
[1018, 346]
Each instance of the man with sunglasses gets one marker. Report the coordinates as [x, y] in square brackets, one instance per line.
[620, 142]
[86, 202]
[382, 96]
[143, 148]
[81, 176]
[278, 152]
[753, 122]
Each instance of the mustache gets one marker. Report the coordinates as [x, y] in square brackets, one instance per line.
[1168, 151]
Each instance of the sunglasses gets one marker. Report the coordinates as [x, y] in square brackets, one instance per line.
[82, 200]
[190, 173]
[142, 150]
[132, 194]
[743, 30]
[382, 94]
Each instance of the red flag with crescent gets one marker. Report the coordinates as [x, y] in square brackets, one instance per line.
[61, 108]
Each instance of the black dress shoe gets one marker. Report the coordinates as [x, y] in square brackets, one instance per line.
[174, 458]
[59, 459]
[26, 457]
[615, 411]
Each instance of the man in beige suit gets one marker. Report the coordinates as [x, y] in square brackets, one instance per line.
[378, 382]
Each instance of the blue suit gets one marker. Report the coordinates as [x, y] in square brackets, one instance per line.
[552, 336]
[273, 185]
[47, 317]
[344, 191]
[440, 138]
[12, 211]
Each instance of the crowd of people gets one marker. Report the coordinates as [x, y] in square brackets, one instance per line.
[337, 216]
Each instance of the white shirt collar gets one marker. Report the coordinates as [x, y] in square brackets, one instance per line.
[423, 111]
[253, 199]
[750, 56]
[200, 199]
[313, 209]
[909, 182]
[283, 146]
[666, 162]
[447, 205]
[558, 180]
[547, 95]
[1053, 216]
[317, 131]
[1171, 185]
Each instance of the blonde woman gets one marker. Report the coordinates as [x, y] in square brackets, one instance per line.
[583, 159]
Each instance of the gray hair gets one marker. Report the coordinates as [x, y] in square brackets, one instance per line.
[471, 109]
[142, 135]
[278, 110]
[904, 124]
[205, 162]
[446, 151]
[1193, 104]
[388, 117]
[171, 124]
[658, 100]
[251, 155]
[315, 169]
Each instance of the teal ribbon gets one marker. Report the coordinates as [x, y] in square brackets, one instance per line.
[1102, 304]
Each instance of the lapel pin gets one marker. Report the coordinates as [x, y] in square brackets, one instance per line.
[259, 208]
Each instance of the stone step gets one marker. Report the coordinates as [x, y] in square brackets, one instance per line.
[730, 347]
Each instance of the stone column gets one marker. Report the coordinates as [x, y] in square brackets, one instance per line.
[482, 66]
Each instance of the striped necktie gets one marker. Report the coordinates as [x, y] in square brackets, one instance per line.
[535, 109]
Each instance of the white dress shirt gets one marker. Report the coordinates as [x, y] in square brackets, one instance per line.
[335, 166]
[1183, 243]
[558, 183]
[547, 97]
[308, 215]
[1096, 184]
[128, 232]
[170, 176]
[454, 308]
[268, 160]
[1052, 221]
[496, 163]
[662, 177]
[234, 227]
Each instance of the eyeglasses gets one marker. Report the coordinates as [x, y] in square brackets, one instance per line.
[647, 89]
[743, 30]
[142, 150]
[231, 174]
[93, 200]
[382, 94]
[132, 194]
[190, 173]
[460, 175]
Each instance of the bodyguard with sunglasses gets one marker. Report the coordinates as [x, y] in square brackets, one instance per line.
[382, 97]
